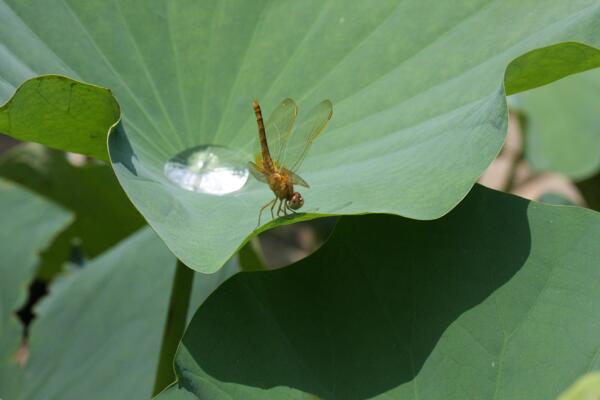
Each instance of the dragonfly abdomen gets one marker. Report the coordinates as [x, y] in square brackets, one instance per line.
[262, 137]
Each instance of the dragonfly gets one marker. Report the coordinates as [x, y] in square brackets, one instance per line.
[282, 150]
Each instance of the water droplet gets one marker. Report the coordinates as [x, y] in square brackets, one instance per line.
[208, 169]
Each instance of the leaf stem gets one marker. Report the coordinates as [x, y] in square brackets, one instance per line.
[174, 325]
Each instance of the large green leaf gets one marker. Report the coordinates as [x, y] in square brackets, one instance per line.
[563, 125]
[29, 224]
[496, 300]
[98, 334]
[104, 215]
[101, 324]
[418, 93]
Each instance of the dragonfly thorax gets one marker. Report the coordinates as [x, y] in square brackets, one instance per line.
[281, 185]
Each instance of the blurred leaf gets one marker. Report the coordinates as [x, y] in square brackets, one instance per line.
[418, 94]
[60, 113]
[100, 328]
[99, 325]
[555, 198]
[563, 125]
[104, 215]
[495, 300]
[29, 223]
[585, 388]
[114, 312]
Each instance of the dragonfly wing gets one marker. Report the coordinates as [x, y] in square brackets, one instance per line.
[257, 172]
[296, 179]
[278, 128]
[305, 134]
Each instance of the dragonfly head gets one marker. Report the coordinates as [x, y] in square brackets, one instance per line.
[296, 201]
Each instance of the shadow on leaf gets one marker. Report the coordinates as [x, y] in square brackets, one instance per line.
[363, 314]
[125, 155]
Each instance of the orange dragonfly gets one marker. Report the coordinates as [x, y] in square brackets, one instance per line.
[282, 151]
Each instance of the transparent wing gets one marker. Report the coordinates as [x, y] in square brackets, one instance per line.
[278, 128]
[307, 131]
[296, 179]
[257, 172]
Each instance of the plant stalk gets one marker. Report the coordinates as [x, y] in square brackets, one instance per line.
[174, 325]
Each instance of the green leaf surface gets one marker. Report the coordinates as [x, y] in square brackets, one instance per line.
[101, 324]
[60, 113]
[29, 223]
[97, 335]
[418, 94]
[555, 198]
[103, 213]
[496, 300]
[100, 327]
[249, 257]
[115, 309]
[563, 125]
[205, 284]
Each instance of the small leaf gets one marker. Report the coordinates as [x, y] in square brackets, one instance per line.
[62, 114]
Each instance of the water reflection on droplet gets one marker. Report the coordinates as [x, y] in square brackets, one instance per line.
[208, 169]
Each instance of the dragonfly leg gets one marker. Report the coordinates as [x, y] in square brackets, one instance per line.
[292, 210]
[273, 207]
[279, 208]
[286, 207]
[263, 209]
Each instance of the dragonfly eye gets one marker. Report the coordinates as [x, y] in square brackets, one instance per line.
[296, 201]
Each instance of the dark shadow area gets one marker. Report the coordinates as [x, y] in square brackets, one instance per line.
[362, 315]
[121, 151]
[6, 142]
[590, 190]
